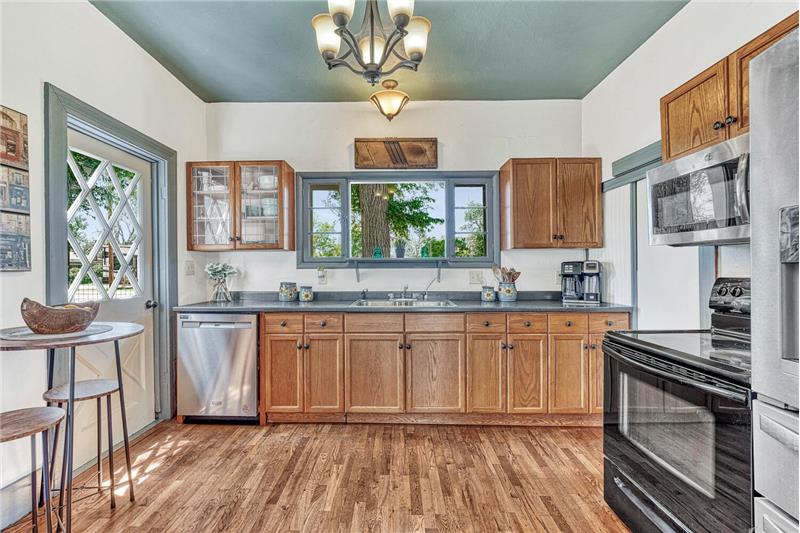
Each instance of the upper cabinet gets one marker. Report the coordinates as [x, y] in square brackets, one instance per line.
[714, 105]
[551, 203]
[245, 205]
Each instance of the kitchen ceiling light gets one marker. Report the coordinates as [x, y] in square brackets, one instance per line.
[389, 101]
[374, 51]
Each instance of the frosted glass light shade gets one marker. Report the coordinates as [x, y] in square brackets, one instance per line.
[327, 40]
[389, 101]
[341, 11]
[400, 11]
[416, 42]
[366, 54]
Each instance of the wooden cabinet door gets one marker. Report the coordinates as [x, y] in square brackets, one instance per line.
[739, 73]
[527, 203]
[374, 379]
[579, 203]
[486, 370]
[210, 198]
[323, 365]
[568, 371]
[435, 373]
[527, 373]
[284, 374]
[693, 115]
[264, 205]
[596, 374]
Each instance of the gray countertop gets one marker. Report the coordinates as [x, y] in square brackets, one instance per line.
[267, 302]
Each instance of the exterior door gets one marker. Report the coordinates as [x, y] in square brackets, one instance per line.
[110, 247]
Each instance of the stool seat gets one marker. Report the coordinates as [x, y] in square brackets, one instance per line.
[84, 390]
[26, 422]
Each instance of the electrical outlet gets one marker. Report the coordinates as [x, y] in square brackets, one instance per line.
[188, 267]
[475, 277]
[557, 279]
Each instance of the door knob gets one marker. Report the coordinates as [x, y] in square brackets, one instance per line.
[150, 304]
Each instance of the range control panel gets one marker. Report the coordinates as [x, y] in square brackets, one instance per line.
[731, 295]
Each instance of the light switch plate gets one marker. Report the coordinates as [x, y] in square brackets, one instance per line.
[188, 267]
[475, 277]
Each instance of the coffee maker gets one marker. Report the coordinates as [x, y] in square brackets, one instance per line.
[581, 283]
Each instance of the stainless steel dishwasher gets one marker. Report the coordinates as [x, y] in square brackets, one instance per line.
[217, 365]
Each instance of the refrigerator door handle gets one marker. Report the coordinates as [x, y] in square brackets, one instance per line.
[742, 209]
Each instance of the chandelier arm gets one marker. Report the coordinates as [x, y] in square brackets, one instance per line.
[411, 65]
[391, 44]
[333, 63]
[350, 40]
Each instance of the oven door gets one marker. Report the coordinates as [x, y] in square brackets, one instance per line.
[676, 445]
[701, 198]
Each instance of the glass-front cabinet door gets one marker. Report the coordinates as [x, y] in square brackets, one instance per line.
[210, 206]
[258, 221]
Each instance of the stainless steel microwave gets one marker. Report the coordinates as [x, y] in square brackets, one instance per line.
[702, 198]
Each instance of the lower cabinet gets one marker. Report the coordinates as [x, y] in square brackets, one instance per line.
[596, 374]
[323, 364]
[284, 374]
[486, 373]
[568, 373]
[374, 379]
[435, 373]
[527, 373]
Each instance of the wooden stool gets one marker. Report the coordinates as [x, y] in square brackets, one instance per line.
[92, 389]
[27, 423]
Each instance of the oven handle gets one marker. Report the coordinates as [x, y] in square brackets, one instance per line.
[711, 389]
[742, 208]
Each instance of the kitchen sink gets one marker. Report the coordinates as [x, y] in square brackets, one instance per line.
[402, 302]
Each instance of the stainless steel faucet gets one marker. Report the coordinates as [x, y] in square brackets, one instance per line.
[428, 286]
[364, 294]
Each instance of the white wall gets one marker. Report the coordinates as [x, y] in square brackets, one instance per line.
[621, 115]
[319, 137]
[79, 50]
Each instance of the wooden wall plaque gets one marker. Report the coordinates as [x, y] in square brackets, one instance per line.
[396, 153]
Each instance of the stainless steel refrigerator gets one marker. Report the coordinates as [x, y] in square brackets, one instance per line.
[774, 265]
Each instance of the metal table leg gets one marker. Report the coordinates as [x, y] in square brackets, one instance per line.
[50, 362]
[69, 433]
[124, 420]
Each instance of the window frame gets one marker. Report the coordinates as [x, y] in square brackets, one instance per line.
[489, 179]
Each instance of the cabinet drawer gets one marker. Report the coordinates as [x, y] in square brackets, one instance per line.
[373, 322]
[568, 322]
[527, 323]
[602, 322]
[323, 322]
[283, 323]
[486, 322]
[434, 323]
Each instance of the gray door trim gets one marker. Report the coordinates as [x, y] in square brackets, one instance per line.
[63, 111]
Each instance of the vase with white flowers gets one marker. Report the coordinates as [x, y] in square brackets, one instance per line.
[219, 274]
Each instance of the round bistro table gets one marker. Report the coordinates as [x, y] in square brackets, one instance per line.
[117, 332]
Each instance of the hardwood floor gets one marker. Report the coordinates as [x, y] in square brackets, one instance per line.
[330, 477]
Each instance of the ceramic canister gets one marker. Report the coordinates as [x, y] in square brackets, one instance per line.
[287, 291]
[507, 292]
[488, 294]
[306, 294]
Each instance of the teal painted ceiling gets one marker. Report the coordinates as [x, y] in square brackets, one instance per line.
[265, 51]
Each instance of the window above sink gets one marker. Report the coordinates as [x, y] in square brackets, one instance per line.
[397, 220]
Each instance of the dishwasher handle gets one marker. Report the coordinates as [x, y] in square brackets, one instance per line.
[216, 325]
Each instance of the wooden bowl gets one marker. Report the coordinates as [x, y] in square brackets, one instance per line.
[56, 319]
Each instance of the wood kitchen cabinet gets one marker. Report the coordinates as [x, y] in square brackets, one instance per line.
[486, 373]
[527, 373]
[435, 373]
[374, 378]
[551, 203]
[568, 373]
[240, 205]
[596, 373]
[715, 104]
[283, 373]
[323, 365]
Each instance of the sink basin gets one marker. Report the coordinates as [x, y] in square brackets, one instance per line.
[402, 302]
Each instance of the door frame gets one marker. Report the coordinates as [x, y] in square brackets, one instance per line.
[63, 111]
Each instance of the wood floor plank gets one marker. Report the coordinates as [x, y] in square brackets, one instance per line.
[340, 478]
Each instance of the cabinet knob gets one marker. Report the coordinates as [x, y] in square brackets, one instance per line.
[401, 345]
[299, 346]
[510, 346]
[306, 346]
[717, 125]
[594, 346]
[322, 323]
[231, 239]
[503, 346]
[730, 119]
[486, 323]
[283, 323]
[555, 237]
[408, 346]
[569, 323]
[527, 323]
[610, 323]
[585, 346]
[560, 237]
[238, 238]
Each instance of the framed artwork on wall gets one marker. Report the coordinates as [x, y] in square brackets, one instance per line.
[15, 209]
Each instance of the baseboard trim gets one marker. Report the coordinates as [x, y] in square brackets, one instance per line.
[470, 419]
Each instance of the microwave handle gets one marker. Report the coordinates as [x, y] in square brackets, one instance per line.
[706, 387]
[742, 201]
